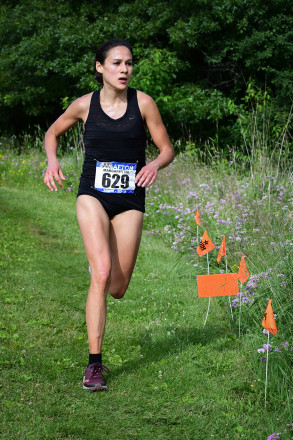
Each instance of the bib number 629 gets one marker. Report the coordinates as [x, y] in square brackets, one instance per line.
[115, 177]
[115, 181]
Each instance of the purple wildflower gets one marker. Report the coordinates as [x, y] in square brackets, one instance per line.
[235, 303]
[274, 436]
[285, 344]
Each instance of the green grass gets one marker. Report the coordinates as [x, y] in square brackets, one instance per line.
[170, 376]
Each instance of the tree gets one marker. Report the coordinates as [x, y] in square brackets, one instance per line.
[194, 58]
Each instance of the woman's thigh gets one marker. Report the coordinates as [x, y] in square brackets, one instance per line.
[125, 235]
[95, 226]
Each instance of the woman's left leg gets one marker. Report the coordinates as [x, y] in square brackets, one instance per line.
[125, 235]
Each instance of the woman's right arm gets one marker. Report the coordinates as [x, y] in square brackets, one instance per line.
[76, 111]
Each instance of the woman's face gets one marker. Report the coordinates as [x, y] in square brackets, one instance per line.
[117, 68]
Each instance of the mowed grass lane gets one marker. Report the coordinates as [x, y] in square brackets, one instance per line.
[169, 377]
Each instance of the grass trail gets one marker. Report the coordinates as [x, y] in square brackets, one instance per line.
[169, 377]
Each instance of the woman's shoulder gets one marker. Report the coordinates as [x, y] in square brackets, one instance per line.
[145, 102]
[80, 106]
[83, 102]
[143, 97]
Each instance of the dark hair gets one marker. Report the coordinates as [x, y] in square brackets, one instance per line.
[102, 53]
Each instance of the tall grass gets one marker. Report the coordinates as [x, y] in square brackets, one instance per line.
[33, 140]
[266, 135]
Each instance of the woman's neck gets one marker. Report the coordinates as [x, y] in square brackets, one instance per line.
[109, 95]
[113, 103]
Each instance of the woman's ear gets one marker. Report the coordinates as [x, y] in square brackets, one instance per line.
[99, 67]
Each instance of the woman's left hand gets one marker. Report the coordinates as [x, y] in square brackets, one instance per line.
[147, 175]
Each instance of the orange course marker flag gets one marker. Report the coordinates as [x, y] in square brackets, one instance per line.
[220, 284]
[197, 218]
[222, 250]
[243, 273]
[268, 321]
[205, 245]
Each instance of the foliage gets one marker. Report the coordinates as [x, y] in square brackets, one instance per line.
[195, 58]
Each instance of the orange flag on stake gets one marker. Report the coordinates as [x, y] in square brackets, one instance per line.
[197, 218]
[243, 273]
[220, 284]
[268, 321]
[222, 250]
[205, 245]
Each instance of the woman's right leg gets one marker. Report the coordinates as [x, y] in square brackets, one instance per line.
[94, 226]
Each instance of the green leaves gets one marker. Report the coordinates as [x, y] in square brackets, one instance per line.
[156, 71]
[194, 58]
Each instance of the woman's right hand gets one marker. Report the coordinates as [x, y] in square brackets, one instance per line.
[53, 172]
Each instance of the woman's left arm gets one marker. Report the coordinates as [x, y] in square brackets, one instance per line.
[158, 132]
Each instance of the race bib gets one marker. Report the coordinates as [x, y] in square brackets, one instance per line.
[115, 177]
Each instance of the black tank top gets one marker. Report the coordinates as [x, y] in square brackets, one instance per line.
[107, 139]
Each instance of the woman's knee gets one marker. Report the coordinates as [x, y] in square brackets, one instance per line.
[100, 275]
[118, 294]
[118, 290]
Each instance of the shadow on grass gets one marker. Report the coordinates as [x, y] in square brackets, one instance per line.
[173, 345]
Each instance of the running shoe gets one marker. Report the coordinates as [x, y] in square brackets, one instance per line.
[93, 379]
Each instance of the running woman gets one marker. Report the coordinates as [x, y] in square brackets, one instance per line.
[111, 195]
